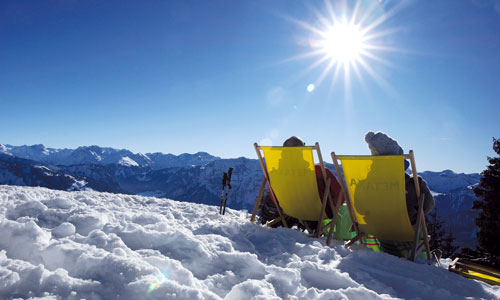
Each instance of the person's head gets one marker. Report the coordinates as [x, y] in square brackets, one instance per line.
[382, 144]
[293, 141]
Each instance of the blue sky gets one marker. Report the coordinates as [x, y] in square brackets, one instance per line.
[217, 76]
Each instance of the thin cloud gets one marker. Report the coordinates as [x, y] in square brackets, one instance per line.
[276, 96]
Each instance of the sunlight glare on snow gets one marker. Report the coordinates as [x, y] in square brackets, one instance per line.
[161, 277]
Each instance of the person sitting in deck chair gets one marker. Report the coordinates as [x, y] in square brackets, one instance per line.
[268, 211]
[335, 189]
[381, 144]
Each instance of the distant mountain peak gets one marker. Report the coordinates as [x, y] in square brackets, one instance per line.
[128, 162]
[448, 172]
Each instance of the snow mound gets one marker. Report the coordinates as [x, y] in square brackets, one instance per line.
[89, 245]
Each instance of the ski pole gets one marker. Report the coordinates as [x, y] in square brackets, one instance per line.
[229, 173]
[224, 179]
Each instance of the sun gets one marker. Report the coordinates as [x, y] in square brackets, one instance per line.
[348, 40]
[343, 42]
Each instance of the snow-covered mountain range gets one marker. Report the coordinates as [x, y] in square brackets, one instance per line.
[194, 178]
[105, 156]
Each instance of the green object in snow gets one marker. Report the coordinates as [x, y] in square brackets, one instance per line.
[343, 230]
[343, 225]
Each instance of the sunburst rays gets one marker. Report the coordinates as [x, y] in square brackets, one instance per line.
[348, 39]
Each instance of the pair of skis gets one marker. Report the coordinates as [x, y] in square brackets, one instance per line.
[226, 186]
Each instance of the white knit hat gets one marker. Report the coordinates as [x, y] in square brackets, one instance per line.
[382, 144]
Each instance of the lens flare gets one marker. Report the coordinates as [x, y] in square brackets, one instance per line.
[161, 277]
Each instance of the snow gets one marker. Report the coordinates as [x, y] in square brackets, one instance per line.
[447, 180]
[434, 194]
[90, 245]
[78, 185]
[152, 194]
[128, 162]
[4, 148]
[104, 156]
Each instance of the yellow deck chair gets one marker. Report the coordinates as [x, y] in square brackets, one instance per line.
[474, 271]
[290, 173]
[374, 188]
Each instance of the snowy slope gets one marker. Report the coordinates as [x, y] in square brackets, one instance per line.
[90, 245]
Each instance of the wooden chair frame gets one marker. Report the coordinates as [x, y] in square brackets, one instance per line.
[325, 199]
[474, 271]
[420, 225]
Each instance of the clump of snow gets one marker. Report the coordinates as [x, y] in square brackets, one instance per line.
[64, 229]
[90, 245]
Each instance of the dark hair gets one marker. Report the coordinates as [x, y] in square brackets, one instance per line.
[293, 141]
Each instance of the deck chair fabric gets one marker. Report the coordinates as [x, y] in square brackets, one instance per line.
[471, 270]
[376, 195]
[290, 174]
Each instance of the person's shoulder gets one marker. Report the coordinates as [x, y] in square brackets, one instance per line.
[317, 168]
[408, 177]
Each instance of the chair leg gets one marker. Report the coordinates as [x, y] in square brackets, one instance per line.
[323, 207]
[278, 209]
[334, 220]
[331, 226]
[278, 219]
[259, 199]
[426, 238]
[420, 215]
[308, 228]
[354, 239]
